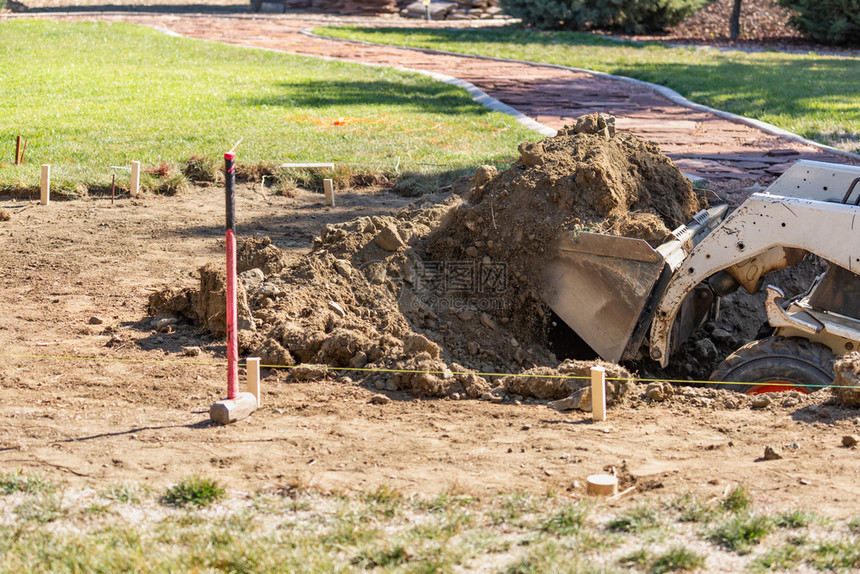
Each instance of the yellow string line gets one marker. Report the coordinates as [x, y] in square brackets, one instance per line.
[415, 371]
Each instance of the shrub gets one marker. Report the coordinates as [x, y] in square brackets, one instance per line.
[651, 15]
[827, 21]
[632, 16]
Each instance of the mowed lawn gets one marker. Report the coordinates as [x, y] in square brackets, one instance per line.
[88, 96]
[812, 95]
[197, 526]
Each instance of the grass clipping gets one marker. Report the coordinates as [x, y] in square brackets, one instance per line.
[447, 286]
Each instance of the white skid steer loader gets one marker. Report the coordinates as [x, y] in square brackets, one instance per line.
[627, 299]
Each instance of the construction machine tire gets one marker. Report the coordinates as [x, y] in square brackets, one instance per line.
[776, 364]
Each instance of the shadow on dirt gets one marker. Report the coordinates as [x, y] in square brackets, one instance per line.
[171, 335]
[827, 413]
[133, 431]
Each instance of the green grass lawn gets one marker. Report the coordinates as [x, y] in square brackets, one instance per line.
[811, 95]
[127, 527]
[92, 95]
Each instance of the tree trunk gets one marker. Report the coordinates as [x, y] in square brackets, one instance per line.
[735, 21]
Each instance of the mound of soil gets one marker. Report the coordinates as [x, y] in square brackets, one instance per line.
[442, 294]
[586, 178]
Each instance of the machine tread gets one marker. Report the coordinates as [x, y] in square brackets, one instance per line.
[797, 360]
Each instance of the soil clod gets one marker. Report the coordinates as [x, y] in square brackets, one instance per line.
[771, 454]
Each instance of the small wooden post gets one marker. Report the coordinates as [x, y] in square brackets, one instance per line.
[598, 394]
[328, 187]
[601, 485]
[134, 182]
[252, 366]
[46, 184]
[18, 150]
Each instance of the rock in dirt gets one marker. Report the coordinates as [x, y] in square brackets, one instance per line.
[580, 400]
[847, 370]
[705, 350]
[343, 268]
[358, 360]
[389, 239]
[95, 320]
[721, 336]
[659, 391]
[379, 400]
[309, 372]
[164, 324]
[335, 306]
[252, 279]
[850, 440]
[761, 402]
[771, 454]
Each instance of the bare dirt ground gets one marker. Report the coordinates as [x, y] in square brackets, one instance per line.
[92, 403]
[138, 410]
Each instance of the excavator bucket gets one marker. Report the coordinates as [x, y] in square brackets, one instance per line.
[599, 285]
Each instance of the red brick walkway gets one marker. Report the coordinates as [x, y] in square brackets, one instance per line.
[730, 154]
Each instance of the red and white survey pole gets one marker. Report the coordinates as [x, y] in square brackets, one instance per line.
[236, 406]
[232, 341]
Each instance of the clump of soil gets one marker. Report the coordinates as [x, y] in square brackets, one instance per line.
[439, 296]
[847, 370]
[557, 383]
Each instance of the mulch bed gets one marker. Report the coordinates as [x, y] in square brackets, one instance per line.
[764, 26]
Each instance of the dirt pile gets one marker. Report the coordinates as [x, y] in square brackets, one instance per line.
[586, 178]
[438, 296]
